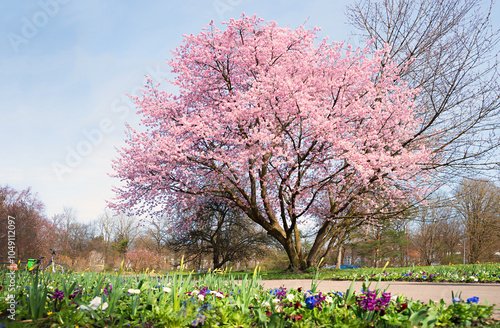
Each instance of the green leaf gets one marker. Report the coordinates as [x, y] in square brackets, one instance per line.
[276, 321]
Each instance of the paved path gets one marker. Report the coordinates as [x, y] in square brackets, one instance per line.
[413, 290]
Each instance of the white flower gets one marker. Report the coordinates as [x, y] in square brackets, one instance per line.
[265, 304]
[95, 304]
[201, 297]
[289, 297]
[195, 292]
[167, 289]
[219, 295]
[134, 291]
[256, 296]
[328, 299]
[276, 300]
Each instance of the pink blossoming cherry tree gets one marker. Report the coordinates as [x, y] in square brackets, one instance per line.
[284, 127]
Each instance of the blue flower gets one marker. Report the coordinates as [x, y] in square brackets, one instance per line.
[456, 300]
[310, 302]
[473, 299]
[315, 301]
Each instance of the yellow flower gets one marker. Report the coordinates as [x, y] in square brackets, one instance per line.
[49, 313]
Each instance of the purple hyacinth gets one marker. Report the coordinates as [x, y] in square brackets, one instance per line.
[108, 289]
[369, 301]
[280, 293]
[58, 295]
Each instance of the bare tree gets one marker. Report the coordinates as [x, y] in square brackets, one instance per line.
[451, 52]
[31, 229]
[105, 225]
[451, 234]
[116, 233]
[477, 205]
[126, 230]
[220, 231]
[64, 223]
[155, 236]
[425, 234]
[72, 238]
[436, 234]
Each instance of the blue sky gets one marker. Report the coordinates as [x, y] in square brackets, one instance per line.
[67, 65]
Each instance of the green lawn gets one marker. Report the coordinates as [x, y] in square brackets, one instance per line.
[489, 272]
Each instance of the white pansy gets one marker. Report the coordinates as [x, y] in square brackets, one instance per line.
[195, 292]
[276, 300]
[134, 291]
[289, 297]
[95, 304]
[265, 304]
[201, 297]
[328, 299]
[167, 289]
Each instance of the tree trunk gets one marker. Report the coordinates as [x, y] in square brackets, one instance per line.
[339, 257]
[328, 252]
[296, 259]
[216, 263]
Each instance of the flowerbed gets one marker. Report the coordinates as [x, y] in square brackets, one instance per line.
[472, 273]
[105, 300]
